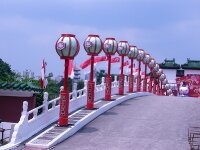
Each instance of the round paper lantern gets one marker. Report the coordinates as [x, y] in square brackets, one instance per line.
[123, 48]
[164, 82]
[93, 45]
[147, 59]
[167, 86]
[159, 72]
[133, 53]
[140, 55]
[155, 68]
[169, 92]
[110, 46]
[162, 77]
[67, 46]
[152, 63]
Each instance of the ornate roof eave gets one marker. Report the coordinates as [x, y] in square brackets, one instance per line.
[19, 87]
[190, 68]
[169, 67]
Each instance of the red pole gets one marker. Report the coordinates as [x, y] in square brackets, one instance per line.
[108, 81]
[64, 99]
[121, 78]
[90, 87]
[122, 66]
[154, 84]
[161, 88]
[145, 79]
[150, 81]
[139, 77]
[131, 78]
[158, 88]
[92, 68]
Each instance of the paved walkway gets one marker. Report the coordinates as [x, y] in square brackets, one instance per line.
[145, 123]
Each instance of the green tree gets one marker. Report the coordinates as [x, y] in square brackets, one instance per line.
[80, 84]
[53, 89]
[99, 75]
[6, 74]
[61, 83]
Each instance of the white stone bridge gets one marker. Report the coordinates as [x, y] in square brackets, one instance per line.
[150, 122]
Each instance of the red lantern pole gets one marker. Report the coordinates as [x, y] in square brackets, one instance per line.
[108, 81]
[121, 78]
[90, 87]
[64, 98]
[123, 50]
[133, 53]
[66, 49]
[110, 48]
[139, 77]
[131, 78]
[93, 47]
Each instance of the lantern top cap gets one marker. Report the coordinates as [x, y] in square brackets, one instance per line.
[94, 35]
[140, 49]
[68, 35]
[110, 38]
[124, 41]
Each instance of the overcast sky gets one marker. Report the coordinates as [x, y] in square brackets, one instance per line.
[164, 28]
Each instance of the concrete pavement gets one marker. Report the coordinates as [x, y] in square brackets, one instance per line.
[143, 123]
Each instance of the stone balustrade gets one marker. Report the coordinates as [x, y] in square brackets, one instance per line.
[37, 119]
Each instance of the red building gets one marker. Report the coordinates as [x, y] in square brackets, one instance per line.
[12, 96]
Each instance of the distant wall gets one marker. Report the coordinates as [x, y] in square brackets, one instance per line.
[171, 75]
[191, 72]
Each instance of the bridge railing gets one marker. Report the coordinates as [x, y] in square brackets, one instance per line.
[33, 121]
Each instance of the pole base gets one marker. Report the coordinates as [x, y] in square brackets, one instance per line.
[108, 89]
[64, 103]
[131, 79]
[63, 122]
[90, 95]
[121, 84]
[138, 83]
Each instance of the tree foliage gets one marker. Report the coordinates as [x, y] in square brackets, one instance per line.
[6, 74]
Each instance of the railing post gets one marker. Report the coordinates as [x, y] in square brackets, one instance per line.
[20, 128]
[115, 81]
[75, 91]
[125, 81]
[45, 101]
[102, 82]
[85, 87]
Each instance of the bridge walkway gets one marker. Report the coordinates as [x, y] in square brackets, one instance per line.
[143, 123]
